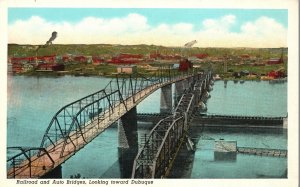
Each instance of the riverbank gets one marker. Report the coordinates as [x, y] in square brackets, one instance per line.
[234, 73]
[113, 75]
[105, 60]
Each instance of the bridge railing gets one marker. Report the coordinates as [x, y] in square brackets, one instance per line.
[22, 162]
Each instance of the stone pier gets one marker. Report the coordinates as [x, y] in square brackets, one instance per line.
[179, 89]
[128, 142]
[166, 99]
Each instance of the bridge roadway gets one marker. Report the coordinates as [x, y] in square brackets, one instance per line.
[39, 165]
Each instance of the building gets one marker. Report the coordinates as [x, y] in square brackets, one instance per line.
[125, 55]
[185, 65]
[276, 74]
[81, 59]
[201, 55]
[22, 60]
[158, 56]
[50, 67]
[27, 67]
[275, 61]
[245, 56]
[9, 68]
[97, 60]
[127, 69]
[17, 68]
[48, 59]
[125, 58]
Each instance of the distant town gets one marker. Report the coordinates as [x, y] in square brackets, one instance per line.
[107, 60]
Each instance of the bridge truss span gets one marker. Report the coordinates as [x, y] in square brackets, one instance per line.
[78, 123]
[161, 146]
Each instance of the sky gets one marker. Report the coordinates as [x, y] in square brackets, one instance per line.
[158, 26]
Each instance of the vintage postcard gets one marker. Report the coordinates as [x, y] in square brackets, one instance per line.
[119, 93]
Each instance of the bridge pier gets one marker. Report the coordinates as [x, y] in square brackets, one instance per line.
[56, 173]
[179, 89]
[166, 99]
[128, 142]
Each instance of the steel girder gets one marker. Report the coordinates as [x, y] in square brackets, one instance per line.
[155, 158]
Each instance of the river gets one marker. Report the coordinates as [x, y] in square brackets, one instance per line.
[32, 101]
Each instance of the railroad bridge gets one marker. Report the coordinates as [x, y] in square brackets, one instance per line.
[78, 123]
[161, 146]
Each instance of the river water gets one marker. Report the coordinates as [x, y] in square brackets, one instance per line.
[32, 102]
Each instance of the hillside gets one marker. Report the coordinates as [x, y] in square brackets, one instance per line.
[15, 50]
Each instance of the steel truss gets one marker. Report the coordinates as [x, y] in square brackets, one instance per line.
[25, 158]
[79, 122]
[160, 148]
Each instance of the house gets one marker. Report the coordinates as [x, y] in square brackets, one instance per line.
[48, 59]
[147, 67]
[275, 61]
[245, 56]
[125, 58]
[277, 73]
[155, 56]
[66, 59]
[89, 59]
[97, 60]
[175, 66]
[126, 55]
[17, 68]
[127, 69]
[81, 59]
[22, 60]
[158, 56]
[9, 68]
[27, 67]
[201, 55]
[185, 65]
[50, 67]
[196, 66]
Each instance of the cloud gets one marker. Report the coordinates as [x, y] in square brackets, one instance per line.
[219, 25]
[262, 32]
[135, 29]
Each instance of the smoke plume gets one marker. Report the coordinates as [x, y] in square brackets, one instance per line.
[49, 42]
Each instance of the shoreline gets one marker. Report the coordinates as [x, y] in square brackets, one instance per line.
[60, 74]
